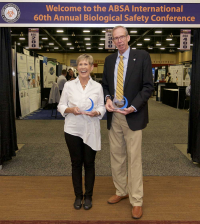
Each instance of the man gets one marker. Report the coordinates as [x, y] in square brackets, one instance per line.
[168, 78]
[125, 126]
[62, 80]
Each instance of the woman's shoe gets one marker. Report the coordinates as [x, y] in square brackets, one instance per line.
[87, 203]
[78, 203]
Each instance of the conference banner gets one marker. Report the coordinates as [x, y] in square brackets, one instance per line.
[102, 14]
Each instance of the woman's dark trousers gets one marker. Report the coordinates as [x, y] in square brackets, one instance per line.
[81, 154]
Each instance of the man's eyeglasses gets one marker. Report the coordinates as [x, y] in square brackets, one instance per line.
[119, 38]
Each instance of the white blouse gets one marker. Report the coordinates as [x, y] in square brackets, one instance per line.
[84, 126]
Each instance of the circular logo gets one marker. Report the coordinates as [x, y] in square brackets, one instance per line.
[51, 71]
[10, 13]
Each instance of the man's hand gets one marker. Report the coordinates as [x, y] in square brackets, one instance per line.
[126, 111]
[109, 105]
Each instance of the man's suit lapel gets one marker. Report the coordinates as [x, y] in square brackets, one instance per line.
[131, 62]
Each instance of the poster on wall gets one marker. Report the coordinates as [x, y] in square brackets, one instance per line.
[24, 102]
[186, 75]
[177, 74]
[49, 73]
[21, 63]
[45, 80]
[30, 64]
[28, 83]
[37, 65]
[22, 81]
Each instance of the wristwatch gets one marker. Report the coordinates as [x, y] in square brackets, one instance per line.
[108, 97]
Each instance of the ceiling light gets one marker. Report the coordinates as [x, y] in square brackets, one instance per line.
[133, 31]
[178, 48]
[100, 48]
[191, 44]
[103, 31]
[87, 38]
[51, 43]
[102, 38]
[88, 44]
[59, 31]
[147, 39]
[139, 44]
[171, 44]
[71, 48]
[162, 48]
[44, 38]
[22, 38]
[158, 31]
[134, 48]
[86, 31]
[27, 47]
[69, 44]
[65, 38]
[88, 48]
[158, 44]
[18, 43]
[101, 44]
[150, 48]
[169, 39]
[56, 47]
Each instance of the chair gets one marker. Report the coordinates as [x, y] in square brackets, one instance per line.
[54, 97]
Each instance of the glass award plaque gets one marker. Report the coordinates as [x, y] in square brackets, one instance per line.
[86, 105]
[120, 104]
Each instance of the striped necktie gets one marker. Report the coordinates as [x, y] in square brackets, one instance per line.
[120, 72]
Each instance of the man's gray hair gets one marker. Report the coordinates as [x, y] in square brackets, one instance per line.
[116, 27]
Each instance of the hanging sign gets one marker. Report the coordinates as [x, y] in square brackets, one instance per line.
[108, 40]
[185, 37]
[33, 38]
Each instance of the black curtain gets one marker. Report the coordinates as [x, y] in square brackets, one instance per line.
[194, 114]
[8, 137]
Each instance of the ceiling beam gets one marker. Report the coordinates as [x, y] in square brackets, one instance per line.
[50, 36]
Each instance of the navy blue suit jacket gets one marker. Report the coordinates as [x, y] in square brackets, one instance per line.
[138, 86]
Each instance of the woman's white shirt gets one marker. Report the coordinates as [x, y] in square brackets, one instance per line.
[84, 126]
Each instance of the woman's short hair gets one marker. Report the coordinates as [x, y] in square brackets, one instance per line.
[116, 27]
[87, 57]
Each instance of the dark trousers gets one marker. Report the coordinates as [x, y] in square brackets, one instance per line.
[81, 154]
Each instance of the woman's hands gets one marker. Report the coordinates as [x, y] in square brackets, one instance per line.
[73, 110]
[92, 113]
[76, 111]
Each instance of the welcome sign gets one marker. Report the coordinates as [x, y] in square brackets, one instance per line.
[99, 13]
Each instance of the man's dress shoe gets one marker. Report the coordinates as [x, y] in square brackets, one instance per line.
[115, 198]
[137, 212]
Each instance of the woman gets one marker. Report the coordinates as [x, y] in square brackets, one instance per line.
[82, 127]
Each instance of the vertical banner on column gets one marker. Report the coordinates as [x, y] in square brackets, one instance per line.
[33, 38]
[185, 37]
[108, 40]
